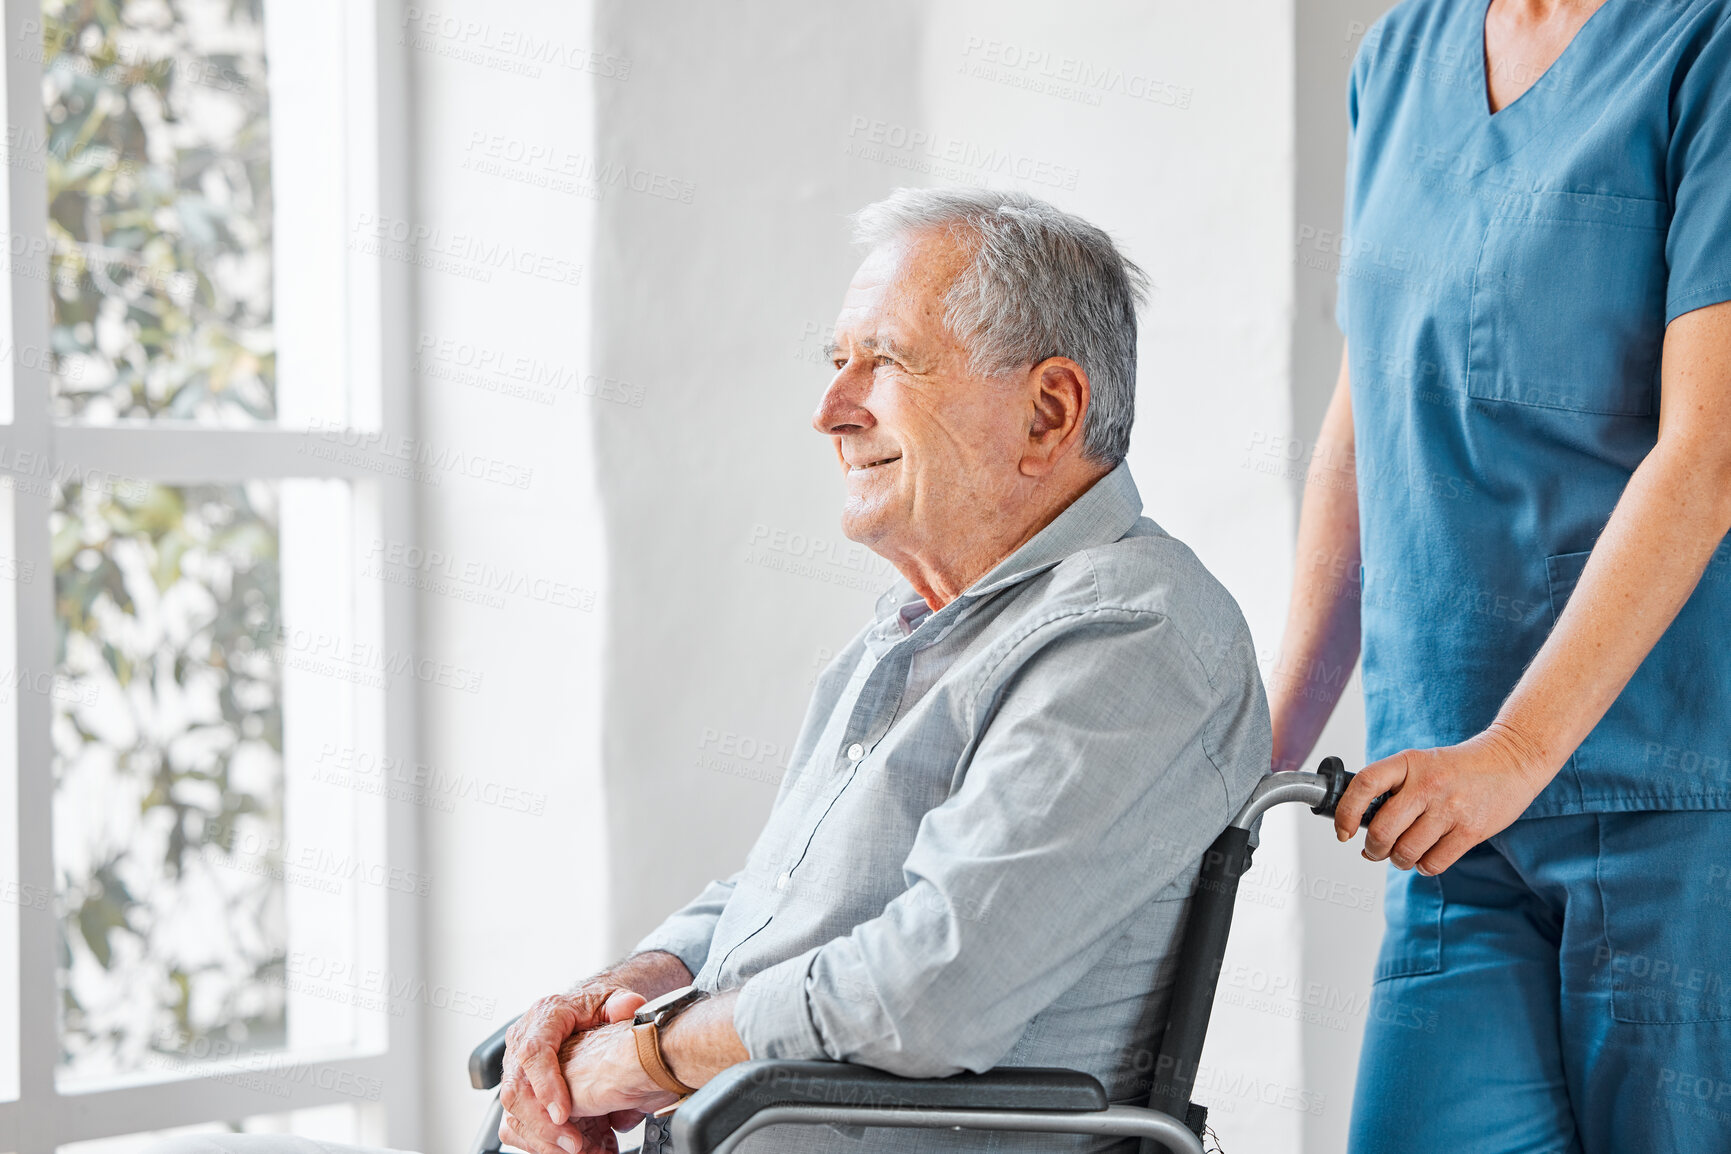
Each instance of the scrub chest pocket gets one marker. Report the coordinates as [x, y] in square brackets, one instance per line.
[1568, 303]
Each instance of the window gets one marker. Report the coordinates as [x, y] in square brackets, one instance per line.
[206, 914]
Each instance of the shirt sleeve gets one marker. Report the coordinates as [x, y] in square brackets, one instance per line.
[1698, 246]
[1097, 783]
[687, 931]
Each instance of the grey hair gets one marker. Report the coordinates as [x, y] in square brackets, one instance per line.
[1043, 283]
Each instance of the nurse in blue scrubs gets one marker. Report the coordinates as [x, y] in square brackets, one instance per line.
[1527, 464]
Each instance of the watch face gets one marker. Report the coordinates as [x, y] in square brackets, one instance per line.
[668, 1004]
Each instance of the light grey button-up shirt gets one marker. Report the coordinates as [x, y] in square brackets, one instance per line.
[990, 824]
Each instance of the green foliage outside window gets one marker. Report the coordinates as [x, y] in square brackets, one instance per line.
[159, 209]
[167, 703]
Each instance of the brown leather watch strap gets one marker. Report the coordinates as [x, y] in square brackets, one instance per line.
[648, 1037]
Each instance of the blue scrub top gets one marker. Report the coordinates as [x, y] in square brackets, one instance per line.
[1505, 283]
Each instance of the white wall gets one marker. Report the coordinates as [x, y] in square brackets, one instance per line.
[692, 497]
[719, 309]
[514, 837]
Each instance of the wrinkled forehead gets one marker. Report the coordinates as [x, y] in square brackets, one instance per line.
[897, 294]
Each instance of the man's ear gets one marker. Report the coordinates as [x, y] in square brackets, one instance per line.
[1059, 388]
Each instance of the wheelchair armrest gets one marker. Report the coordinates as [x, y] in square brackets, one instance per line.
[705, 1120]
[487, 1061]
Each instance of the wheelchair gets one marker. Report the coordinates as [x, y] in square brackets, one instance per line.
[753, 1095]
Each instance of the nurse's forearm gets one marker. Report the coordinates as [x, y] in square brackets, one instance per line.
[1320, 645]
[1672, 516]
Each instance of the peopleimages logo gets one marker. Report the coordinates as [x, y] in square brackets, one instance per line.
[439, 570]
[365, 664]
[350, 983]
[949, 156]
[461, 252]
[474, 40]
[496, 154]
[47, 683]
[448, 358]
[1066, 77]
[419, 781]
[278, 857]
[275, 1074]
[421, 458]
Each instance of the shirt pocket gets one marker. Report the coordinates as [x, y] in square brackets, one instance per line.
[1568, 303]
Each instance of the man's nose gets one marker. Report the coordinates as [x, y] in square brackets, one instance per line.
[843, 407]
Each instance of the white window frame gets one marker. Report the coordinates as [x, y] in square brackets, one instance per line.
[43, 1116]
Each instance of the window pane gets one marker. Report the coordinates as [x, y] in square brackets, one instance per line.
[221, 891]
[168, 738]
[160, 217]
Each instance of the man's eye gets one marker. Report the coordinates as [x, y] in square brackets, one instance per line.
[883, 360]
[840, 363]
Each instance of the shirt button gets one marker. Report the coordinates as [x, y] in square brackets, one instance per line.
[855, 751]
[781, 882]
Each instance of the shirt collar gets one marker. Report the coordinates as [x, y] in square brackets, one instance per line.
[1101, 515]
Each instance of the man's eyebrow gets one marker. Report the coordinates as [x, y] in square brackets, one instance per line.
[883, 345]
[887, 346]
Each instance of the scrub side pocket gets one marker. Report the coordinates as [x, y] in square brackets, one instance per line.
[1412, 945]
[1667, 948]
[1568, 303]
[1666, 740]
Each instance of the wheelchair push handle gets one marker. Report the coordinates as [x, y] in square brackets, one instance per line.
[1335, 777]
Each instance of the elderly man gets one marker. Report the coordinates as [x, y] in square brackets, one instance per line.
[997, 805]
[996, 809]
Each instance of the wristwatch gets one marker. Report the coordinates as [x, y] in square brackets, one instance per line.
[646, 1027]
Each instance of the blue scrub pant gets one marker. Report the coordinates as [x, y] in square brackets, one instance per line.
[1564, 987]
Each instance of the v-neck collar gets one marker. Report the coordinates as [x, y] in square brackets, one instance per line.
[1496, 138]
[1483, 87]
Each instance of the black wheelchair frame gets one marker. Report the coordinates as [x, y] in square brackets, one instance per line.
[753, 1095]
